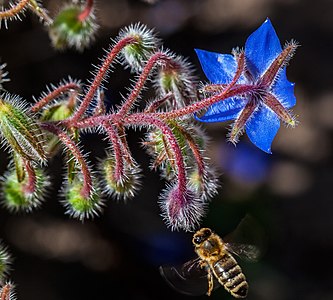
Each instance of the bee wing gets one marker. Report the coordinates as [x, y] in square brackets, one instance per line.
[189, 278]
[248, 240]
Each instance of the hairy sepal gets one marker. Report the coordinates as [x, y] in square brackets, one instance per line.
[20, 130]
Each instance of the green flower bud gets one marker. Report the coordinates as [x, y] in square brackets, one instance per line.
[5, 262]
[15, 196]
[176, 77]
[20, 130]
[160, 149]
[126, 186]
[69, 31]
[136, 55]
[204, 184]
[78, 206]
[57, 112]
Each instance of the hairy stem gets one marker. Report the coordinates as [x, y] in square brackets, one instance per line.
[157, 103]
[86, 11]
[54, 94]
[118, 153]
[5, 291]
[40, 12]
[99, 78]
[194, 148]
[87, 188]
[14, 10]
[125, 148]
[143, 119]
[30, 187]
[240, 89]
[140, 83]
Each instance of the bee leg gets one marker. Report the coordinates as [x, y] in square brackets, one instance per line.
[205, 266]
[210, 282]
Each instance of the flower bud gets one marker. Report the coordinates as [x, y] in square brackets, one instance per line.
[57, 112]
[79, 206]
[20, 130]
[3, 75]
[176, 77]
[124, 187]
[160, 148]
[5, 262]
[69, 31]
[204, 183]
[15, 195]
[136, 55]
[181, 209]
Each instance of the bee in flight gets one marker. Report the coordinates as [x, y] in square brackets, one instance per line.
[215, 264]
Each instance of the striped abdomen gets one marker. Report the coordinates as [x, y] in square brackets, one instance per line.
[230, 275]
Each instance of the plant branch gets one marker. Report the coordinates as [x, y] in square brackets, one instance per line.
[87, 188]
[99, 78]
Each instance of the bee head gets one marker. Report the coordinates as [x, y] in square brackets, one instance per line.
[201, 235]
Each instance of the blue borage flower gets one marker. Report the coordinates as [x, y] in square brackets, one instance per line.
[262, 93]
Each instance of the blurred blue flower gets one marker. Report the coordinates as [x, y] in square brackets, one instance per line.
[263, 94]
[244, 163]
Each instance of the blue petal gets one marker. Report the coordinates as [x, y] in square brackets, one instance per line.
[261, 48]
[262, 128]
[223, 111]
[284, 90]
[218, 68]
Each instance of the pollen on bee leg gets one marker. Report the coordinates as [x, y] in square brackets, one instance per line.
[283, 113]
[210, 282]
[238, 126]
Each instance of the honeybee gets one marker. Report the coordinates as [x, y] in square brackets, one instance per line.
[215, 265]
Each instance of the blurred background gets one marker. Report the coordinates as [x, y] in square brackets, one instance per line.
[117, 255]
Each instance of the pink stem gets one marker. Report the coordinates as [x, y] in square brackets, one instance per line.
[195, 150]
[6, 292]
[87, 10]
[30, 187]
[99, 78]
[55, 93]
[140, 83]
[125, 148]
[157, 103]
[239, 90]
[118, 153]
[15, 9]
[87, 188]
[143, 119]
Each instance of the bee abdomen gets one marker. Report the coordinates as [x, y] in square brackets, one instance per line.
[230, 275]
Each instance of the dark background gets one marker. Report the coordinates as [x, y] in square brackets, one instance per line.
[117, 255]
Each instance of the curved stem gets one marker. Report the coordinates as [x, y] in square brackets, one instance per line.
[52, 95]
[118, 153]
[40, 12]
[140, 83]
[143, 119]
[99, 78]
[30, 187]
[153, 106]
[194, 148]
[86, 11]
[87, 188]
[14, 10]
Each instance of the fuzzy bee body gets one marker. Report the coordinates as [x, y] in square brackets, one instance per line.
[219, 262]
[215, 265]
